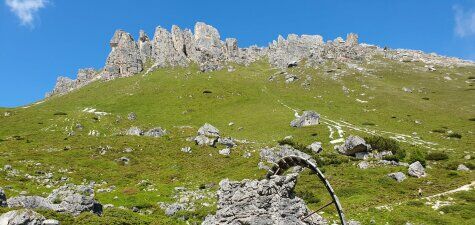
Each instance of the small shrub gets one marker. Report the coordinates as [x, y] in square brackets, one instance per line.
[368, 124]
[60, 114]
[207, 92]
[294, 144]
[471, 78]
[436, 156]
[425, 98]
[472, 119]
[470, 165]
[418, 155]
[452, 165]
[130, 191]
[440, 131]
[308, 197]
[386, 144]
[454, 135]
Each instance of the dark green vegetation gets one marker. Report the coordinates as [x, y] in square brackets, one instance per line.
[182, 99]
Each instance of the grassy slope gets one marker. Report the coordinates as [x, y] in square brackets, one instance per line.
[171, 98]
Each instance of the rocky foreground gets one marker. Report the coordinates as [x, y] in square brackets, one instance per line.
[205, 48]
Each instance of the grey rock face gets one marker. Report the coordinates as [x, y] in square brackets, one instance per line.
[399, 176]
[69, 198]
[261, 202]
[353, 145]
[145, 46]
[209, 47]
[163, 48]
[124, 59]
[416, 170]
[21, 217]
[351, 39]
[3, 198]
[288, 52]
[156, 132]
[308, 118]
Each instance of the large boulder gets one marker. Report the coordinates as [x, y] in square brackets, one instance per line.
[267, 202]
[21, 217]
[69, 198]
[134, 131]
[124, 59]
[353, 145]
[416, 170]
[316, 147]
[308, 118]
[207, 135]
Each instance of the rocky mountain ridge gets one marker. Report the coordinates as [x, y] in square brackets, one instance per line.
[205, 48]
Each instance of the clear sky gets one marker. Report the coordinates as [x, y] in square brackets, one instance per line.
[41, 39]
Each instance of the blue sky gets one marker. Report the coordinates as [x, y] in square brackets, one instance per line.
[41, 39]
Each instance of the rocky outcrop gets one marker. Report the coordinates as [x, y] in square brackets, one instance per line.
[124, 59]
[69, 198]
[308, 118]
[22, 217]
[66, 84]
[205, 48]
[270, 156]
[271, 201]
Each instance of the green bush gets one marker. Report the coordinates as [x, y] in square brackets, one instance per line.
[437, 156]
[470, 165]
[472, 119]
[368, 124]
[60, 114]
[441, 131]
[386, 144]
[454, 135]
[418, 155]
[296, 145]
[308, 197]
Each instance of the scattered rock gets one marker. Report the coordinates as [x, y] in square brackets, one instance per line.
[134, 131]
[416, 170]
[225, 151]
[22, 217]
[155, 132]
[229, 142]
[316, 147]
[261, 202]
[462, 167]
[399, 176]
[173, 208]
[186, 149]
[363, 165]
[308, 118]
[406, 89]
[132, 116]
[353, 145]
[124, 160]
